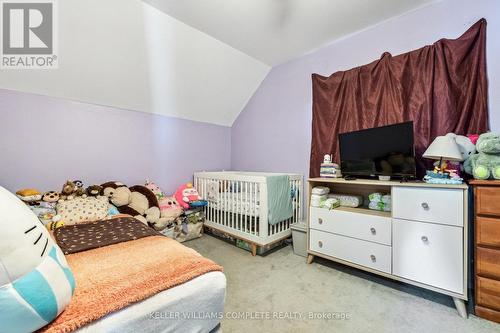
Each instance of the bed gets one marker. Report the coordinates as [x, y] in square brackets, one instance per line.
[136, 280]
[238, 204]
[162, 313]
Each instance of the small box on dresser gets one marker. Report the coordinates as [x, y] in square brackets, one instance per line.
[487, 248]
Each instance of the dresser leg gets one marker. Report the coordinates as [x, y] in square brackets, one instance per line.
[310, 258]
[460, 305]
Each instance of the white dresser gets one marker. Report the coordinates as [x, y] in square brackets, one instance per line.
[423, 241]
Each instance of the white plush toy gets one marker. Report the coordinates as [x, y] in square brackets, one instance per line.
[36, 283]
[465, 145]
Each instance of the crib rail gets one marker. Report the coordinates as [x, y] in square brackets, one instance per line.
[237, 204]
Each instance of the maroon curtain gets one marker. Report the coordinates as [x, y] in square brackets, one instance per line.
[441, 87]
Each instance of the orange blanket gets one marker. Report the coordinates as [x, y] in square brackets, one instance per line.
[112, 277]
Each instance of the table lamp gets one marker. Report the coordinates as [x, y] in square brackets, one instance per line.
[443, 147]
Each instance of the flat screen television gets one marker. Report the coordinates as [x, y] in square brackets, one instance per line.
[386, 150]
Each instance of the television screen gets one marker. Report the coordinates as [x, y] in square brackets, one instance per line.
[386, 150]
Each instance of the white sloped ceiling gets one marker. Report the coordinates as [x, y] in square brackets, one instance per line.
[193, 59]
[130, 55]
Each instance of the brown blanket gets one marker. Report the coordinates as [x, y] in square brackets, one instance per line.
[82, 237]
[113, 277]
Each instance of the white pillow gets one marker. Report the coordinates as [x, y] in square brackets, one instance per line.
[36, 283]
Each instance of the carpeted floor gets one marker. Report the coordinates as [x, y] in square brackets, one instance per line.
[281, 284]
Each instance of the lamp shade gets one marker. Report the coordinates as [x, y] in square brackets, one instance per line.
[443, 147]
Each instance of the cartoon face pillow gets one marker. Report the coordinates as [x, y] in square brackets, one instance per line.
[36, 283]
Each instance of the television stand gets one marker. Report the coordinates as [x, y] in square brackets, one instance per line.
[404, 179]
[350, 178]
[423, 241]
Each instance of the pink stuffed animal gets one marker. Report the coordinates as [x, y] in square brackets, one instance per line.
[169, 207]
[155, 189]
[188, 196]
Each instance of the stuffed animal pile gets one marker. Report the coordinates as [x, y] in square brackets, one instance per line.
[45, 205]
[480, 158]
[147, 203]
[486, 163]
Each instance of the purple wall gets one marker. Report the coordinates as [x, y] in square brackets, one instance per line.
[273, 133]
[45, 140]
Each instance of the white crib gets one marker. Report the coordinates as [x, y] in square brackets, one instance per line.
[237, 205]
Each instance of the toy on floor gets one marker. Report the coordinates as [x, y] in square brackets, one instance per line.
[187, 196]
[485, 164]
[36, 283]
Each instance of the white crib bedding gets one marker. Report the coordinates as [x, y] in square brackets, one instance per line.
[235, 203]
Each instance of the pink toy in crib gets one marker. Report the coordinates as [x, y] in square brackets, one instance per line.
[185, 194]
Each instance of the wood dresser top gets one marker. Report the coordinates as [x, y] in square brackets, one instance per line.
[484, 182]
[375, 182]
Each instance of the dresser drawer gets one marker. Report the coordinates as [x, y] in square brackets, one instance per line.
[429, 253]
[357, 251]
[486, 313]
[488, 293]
[488, 262]
[437, 205]
[488, 200]
[368, 227]
[488, 231]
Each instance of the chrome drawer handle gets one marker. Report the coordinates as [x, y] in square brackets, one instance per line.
[425, 205]
[320, 244]
[425, 239]
[373, 258]
[320, 221]
[373, 231]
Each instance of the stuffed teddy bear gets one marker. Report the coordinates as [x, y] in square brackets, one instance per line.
[486, 163]
[93, 190]
[72, 189]
[188, 197]
[80, 190]
[137, 201]
[36, 283]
